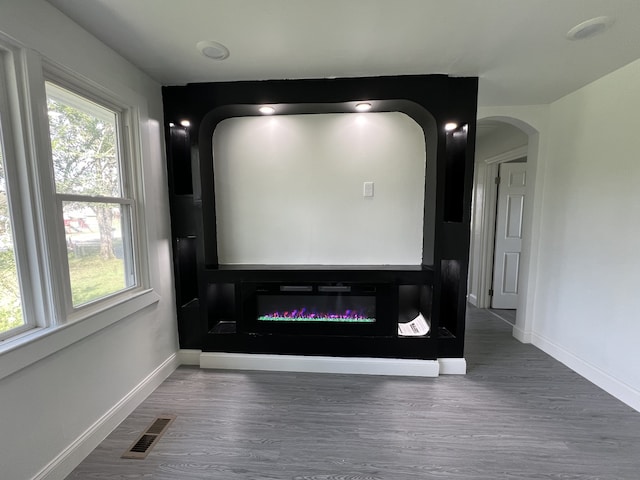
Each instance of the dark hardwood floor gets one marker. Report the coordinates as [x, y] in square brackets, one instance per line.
[517, 414]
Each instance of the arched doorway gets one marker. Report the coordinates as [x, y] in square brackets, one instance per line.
[503, 140]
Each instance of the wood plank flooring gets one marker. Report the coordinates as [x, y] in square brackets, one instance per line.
[517, 414]
[508, 316]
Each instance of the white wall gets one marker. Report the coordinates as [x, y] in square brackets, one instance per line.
[289, 189]
[587, 303]
[50, 404]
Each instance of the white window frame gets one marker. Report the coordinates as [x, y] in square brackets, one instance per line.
[52, 325]
[28, 259]
[126, 158]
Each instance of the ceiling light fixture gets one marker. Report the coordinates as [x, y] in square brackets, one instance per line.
[185, 123]
[171, 124]
[266, 110]
[363, 107]
[449, 127]
[213, 50]
[590, 28]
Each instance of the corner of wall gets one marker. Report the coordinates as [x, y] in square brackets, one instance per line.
[608, 382]
[63, 464]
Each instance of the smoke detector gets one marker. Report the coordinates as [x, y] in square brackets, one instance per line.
[590, 28]
[213, 50]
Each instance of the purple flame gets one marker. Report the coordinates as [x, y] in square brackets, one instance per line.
[302, 314]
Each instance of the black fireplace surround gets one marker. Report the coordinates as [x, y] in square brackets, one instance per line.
[339, 310]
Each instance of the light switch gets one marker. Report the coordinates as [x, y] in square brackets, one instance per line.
[367, 190]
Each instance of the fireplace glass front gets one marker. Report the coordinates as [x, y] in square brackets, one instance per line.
[314, 308]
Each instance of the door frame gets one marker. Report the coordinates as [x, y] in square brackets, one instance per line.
[488, 220]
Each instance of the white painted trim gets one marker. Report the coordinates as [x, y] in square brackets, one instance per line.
[509, 155]
[70, 457]
[521, 335]
[313, 364]
[452, 366]
[20, 352]
[231, 361]
[623, 392]
[472, 299]
[487, 235]
[189, 357]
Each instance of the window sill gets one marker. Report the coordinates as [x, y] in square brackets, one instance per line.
[32, 346]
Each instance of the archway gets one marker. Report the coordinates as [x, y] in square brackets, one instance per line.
[483, 223]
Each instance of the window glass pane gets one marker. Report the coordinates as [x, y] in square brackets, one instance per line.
[99, 249]
[84, 145]
[10, 302]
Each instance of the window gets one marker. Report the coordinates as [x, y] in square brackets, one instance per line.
[11, 316]
[16, 310]
[91, 194]
[73, 249]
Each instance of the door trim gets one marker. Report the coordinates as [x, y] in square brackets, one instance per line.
[508, 156]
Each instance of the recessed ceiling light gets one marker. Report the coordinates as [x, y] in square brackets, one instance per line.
[590, 28]
[267, 110]
[213, 50]
[449, 127]
[185, 123]
[171, 124]
[363, 107]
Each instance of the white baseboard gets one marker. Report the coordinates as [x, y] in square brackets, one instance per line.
[452, 366]
[348, 365]
[70, 457]
[521, 335]
[472, 299]
[607, 382]
[189, 357]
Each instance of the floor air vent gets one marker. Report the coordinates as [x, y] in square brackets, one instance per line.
[145, 442]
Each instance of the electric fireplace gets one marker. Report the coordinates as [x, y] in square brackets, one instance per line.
[317, 309]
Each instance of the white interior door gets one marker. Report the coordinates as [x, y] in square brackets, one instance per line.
[508, 244]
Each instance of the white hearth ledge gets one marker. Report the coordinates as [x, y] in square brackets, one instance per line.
[320, 364]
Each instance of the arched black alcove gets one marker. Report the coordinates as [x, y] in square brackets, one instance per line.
[211, 306]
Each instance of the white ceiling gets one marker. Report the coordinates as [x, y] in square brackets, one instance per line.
[517, 47]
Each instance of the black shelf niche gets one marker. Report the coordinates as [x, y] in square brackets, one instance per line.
[436, 287]
[187, 288]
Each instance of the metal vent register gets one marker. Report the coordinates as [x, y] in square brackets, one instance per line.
[148, 439]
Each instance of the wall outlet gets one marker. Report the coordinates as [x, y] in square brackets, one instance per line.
[367, 189]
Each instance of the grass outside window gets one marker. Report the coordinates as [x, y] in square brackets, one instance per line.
[86, 285]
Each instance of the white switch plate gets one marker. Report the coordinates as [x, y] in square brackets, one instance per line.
[367, 189]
